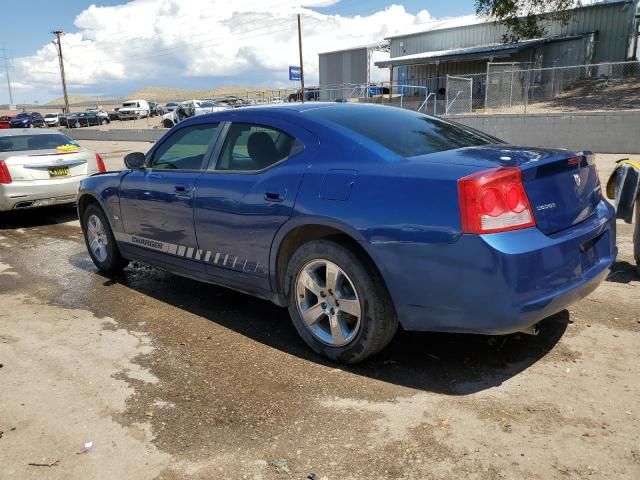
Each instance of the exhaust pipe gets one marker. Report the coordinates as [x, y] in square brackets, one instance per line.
[532, 330]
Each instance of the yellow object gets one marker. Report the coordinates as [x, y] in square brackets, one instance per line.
[67, 148]
[611, 183]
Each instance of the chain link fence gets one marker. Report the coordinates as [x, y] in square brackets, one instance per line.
[459, 95]
[523, 87]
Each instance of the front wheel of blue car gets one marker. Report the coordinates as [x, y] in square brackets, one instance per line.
[338, 302]
[100, 241]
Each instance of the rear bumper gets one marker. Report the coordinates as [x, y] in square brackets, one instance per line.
[49, 192]
[500, 283]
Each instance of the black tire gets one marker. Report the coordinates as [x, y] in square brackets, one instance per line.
[114, 262]
[378, 321]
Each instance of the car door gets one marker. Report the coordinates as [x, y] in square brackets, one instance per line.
[156, 203]
[247, 194]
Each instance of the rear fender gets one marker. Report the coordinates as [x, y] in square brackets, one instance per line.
[306, 221]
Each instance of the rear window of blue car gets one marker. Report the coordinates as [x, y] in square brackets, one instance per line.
[404, 132]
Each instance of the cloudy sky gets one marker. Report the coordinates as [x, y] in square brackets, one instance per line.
[113, 48]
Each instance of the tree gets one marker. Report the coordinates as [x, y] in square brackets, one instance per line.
[522, 17]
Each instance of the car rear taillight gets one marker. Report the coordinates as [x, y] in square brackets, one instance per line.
[494, 201]
[100, 163]
[5, 176]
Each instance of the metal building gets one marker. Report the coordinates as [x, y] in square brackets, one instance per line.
[340, 69]
[602, 32]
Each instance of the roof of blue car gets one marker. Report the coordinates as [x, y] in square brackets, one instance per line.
[294, 108]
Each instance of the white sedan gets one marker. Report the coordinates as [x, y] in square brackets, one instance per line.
[39, 168]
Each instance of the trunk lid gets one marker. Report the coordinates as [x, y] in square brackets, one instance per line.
[47, 164]
[563, 186]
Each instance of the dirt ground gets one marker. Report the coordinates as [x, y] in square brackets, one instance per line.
[151, 376]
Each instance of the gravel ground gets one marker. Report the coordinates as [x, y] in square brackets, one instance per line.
[151, 376]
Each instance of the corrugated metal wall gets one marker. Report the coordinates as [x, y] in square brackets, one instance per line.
[613, 22]
[340, 68]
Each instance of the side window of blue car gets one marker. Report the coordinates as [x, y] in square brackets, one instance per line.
[186, 149]
[252, 147]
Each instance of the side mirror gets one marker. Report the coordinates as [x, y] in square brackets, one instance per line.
[135, 160]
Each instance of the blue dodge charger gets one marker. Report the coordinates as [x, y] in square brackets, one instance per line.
[359, 218]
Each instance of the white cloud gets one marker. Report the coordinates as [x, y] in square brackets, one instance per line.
[194, 43]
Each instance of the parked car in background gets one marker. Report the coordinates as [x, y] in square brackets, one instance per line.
[170, 107]
[98, 112]
[52, 119]
[65, 120]
[360, 218]
[83, 119]
[132, 109]
[277, 100]
[27, 120]
[311, 94]
[375, 90]
[41, 167]
[5, 121]
[231, 101]
[154, 109]
[114, 114]
[191, 108]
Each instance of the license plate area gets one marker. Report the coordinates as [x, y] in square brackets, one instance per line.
[589, 251]
[58, 172]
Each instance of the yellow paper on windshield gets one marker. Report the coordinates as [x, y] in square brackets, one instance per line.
[67, 148]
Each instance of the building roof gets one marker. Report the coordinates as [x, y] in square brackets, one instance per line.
[467, 20]
[381, 46]
[480, 52]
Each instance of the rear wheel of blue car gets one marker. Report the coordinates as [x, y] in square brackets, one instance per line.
[338, 302]
[100, 241]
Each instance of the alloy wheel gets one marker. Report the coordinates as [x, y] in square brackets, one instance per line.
[328, 302]
[97, 237]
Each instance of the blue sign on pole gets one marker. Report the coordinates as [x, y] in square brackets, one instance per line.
[294, 73]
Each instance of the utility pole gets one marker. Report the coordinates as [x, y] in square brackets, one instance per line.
[301, 65]
[6, 69]
[58, 34]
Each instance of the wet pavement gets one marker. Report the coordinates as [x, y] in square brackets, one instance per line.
[175, 379]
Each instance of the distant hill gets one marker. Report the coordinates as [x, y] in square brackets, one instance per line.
[77, 99]
[165, 94]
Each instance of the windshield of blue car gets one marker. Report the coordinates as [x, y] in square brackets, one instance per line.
[23, 115]
[404, 132]
[20, 143]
